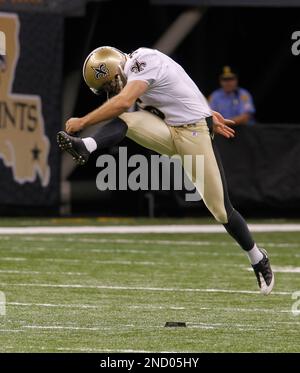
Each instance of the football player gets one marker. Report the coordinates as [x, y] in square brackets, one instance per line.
[174, 118]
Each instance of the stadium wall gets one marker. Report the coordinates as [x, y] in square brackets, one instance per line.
[262, 169]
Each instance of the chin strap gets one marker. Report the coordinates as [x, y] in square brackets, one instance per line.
[120, 83]
[95, 91]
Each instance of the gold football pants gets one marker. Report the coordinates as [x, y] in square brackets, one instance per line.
[153, 133]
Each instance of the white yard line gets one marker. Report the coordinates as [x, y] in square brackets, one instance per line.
[229, 309]
[141, 241]
[12, 271]
[102, 328]
[85, 349]
[61, 327]
[281, 269]
[145, 263]
[151, 307]
[83, 306]
[240, 327]
[127, 262]
[286, 269]
[280, 244]
[204, 228]
[90, 328]
[141, 288]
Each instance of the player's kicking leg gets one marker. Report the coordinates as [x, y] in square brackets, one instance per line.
[237, 227]
[142, 127]
[215, 196]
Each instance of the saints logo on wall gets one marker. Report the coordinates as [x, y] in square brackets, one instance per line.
[23, 144]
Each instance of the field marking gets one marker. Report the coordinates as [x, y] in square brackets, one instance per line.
[12, 271]
[142, 241]
[146, 242]
[143, 263]
[61, 327]
[150, 307]
[141, 288]
[202, 325]
[10, 259]
[286, 269]
[281, 269]
[229, 309]
[118, 262]
[83, 306]
[279, 244]
[242, 327]
[128, 262]
[85, 349]
[129, 251]
[238, 253]
[90, 328]
[193, 228]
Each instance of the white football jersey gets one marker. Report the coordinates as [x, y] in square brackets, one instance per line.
[170, 90]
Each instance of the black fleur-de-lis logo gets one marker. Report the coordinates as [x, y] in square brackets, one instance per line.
[137, 67]
[100, 71]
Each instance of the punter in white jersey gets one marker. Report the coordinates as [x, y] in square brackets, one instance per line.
[175, 119]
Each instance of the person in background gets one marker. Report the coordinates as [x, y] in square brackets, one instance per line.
[232, 101]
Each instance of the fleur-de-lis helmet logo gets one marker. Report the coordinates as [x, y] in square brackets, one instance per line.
[100, 71]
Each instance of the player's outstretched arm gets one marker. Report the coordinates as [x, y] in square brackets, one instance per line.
[111, 109]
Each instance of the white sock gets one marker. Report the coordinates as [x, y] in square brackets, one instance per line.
[90, 144]
[255, 255]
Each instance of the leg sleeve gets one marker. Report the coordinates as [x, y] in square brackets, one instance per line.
[236, 225]
[111, 133]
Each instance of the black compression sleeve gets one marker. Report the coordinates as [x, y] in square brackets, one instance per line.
[236, 225]
[111, 133]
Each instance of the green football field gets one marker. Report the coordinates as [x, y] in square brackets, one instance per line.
[115, 292]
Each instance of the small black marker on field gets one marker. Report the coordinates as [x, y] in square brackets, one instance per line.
[174, 324]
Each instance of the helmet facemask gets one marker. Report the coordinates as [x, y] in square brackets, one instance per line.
[116, 85]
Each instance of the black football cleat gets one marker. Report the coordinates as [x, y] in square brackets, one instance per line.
[74, 146]
[264, 274]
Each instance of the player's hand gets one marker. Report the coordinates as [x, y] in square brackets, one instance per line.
[74, 125]
[221, 125]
